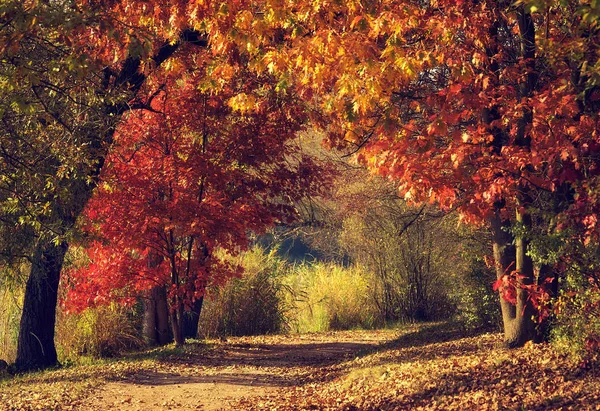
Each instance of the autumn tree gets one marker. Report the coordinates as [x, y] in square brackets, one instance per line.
[59, 109]
[195, 172]
[49, 113]
[484, 107]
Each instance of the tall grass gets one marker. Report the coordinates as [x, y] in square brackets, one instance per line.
[10, 316]
[250, 305]
[326, 296]
[104, 331]
[274, 296]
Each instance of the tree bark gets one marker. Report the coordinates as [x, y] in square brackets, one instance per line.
[177, 325]
[504, 257]
[36, 348]
[149, 330]
[162, 316]
[156, 311]
[522, 327]
[156, 318]
[191, 319]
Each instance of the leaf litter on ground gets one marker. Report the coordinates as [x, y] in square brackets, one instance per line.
[415, 367]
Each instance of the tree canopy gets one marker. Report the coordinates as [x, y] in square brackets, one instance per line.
[485, 107]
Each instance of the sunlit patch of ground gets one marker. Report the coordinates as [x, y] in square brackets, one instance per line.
[436, 368]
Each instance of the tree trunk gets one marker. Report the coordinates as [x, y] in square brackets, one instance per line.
[191, 318]
[156, 318]
[162, 316]
[36, 348]
[149, 329]
[519, 324]
[522, 328]
[518, 321]
[177, 325]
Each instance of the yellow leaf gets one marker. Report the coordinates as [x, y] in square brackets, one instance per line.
[242, 102]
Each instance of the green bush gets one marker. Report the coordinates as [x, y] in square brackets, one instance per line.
[576, 330]
[251, 305]
[478, 303]
[97, 332]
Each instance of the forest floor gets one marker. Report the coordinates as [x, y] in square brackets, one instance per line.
[412, 368]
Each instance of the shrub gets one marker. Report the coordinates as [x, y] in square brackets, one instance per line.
[251, 305]
[478, 304]
[98, 332]
[413, 253]
[576, 330]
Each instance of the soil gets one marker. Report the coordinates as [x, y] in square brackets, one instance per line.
[235, 371]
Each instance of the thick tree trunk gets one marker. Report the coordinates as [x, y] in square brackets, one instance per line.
[156, 318]
[191, 318]
[36, 348]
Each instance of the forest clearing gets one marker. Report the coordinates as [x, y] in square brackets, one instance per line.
[415, 367]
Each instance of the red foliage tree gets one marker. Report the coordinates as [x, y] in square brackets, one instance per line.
[194, 172]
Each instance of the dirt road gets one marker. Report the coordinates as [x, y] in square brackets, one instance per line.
[239, 369]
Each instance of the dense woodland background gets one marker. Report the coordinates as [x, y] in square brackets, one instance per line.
[173, 170]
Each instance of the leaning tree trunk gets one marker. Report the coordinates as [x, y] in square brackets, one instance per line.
[36, 348]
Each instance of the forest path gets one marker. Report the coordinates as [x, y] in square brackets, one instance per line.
[415, 367]
[237, 370]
